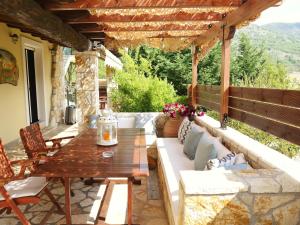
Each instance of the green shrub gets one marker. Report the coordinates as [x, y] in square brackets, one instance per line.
[138, 93]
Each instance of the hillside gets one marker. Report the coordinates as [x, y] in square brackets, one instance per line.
[282, 40]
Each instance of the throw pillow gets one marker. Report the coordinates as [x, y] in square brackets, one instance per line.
[222, 151]
[240, 166]
[228, 160]
[192, 140]
[205, 150]
[240, 158]
[183, 130]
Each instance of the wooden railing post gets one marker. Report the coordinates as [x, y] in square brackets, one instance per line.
[228, 34]
[195, 60]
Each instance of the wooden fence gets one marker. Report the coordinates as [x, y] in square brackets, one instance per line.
[272, 110]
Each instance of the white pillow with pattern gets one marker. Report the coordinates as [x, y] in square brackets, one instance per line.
[184, 129]
[228, 160]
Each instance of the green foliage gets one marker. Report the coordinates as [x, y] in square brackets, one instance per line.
[267, 139]
[209, 69]
[101, 69]
[273, 75]
[175, 67]
[282, 41]
[70, 81]
[137, 92]
[247, 62]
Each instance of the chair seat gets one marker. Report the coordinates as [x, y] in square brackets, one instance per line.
[30, 186]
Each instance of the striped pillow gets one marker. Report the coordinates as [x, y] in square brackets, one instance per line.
[184, 129]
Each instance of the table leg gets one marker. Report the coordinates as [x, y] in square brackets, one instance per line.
[129, 203]
[68, 201]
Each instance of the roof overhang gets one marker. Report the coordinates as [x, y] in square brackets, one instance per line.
[169, 24]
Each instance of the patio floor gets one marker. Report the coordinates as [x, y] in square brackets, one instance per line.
[145, 211]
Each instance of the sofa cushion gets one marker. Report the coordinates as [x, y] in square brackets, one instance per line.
[173, 160]
[205, 150]
[192, 140]
[184, 129]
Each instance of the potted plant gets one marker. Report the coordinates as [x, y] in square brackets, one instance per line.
[193, 111]
[175, 113]
[167, 124]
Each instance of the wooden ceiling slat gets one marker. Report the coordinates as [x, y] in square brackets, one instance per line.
[182, 16]
[163, 27]
[125, 4]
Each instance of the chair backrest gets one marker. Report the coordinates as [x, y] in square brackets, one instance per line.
[6, 171]
[33, 140]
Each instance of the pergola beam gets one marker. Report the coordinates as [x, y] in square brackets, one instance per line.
[125, 4]
[249, 10]
[31, 16]
[195, 61]
[145, 28]
[173, 17]
[228, 34]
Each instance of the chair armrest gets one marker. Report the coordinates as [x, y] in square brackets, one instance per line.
[26, 164]
[56, 141]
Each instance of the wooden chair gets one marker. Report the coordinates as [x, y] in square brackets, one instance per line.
[35, 144]
[17, 189]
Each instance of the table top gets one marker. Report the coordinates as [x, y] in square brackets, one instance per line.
[82, 157]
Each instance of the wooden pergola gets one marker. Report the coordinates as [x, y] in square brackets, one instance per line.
[77, 23]
[170, 25]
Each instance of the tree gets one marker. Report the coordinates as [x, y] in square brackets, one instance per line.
[175, 67]
[209, 68]
[137, 92]
[247, 62]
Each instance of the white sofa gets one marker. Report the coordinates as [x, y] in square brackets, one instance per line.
[267, 194]
[173, 160]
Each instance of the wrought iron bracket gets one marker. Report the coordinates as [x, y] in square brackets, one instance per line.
[224, 121]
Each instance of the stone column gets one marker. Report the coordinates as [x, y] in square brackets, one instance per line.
[87, 86]
[58, 88]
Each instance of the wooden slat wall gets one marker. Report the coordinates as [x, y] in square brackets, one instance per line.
[276, 96]
[272, 110]
[281, 130]
[209, 96]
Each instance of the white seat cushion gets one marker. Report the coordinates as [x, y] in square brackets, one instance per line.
[30, 186]
[173, 160]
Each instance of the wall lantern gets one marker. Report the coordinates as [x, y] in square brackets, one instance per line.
[14, 37]
[52, 51]
[107, 129]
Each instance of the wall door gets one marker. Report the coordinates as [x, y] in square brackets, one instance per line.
[31, 86]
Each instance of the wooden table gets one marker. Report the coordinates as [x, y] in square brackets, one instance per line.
[82, 157]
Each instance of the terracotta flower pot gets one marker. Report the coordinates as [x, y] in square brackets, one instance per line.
[171, 127]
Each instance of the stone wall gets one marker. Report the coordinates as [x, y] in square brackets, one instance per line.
[257, 197]
[58, 88]
[87, 86]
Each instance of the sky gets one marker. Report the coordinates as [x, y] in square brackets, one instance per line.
[288, 12]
